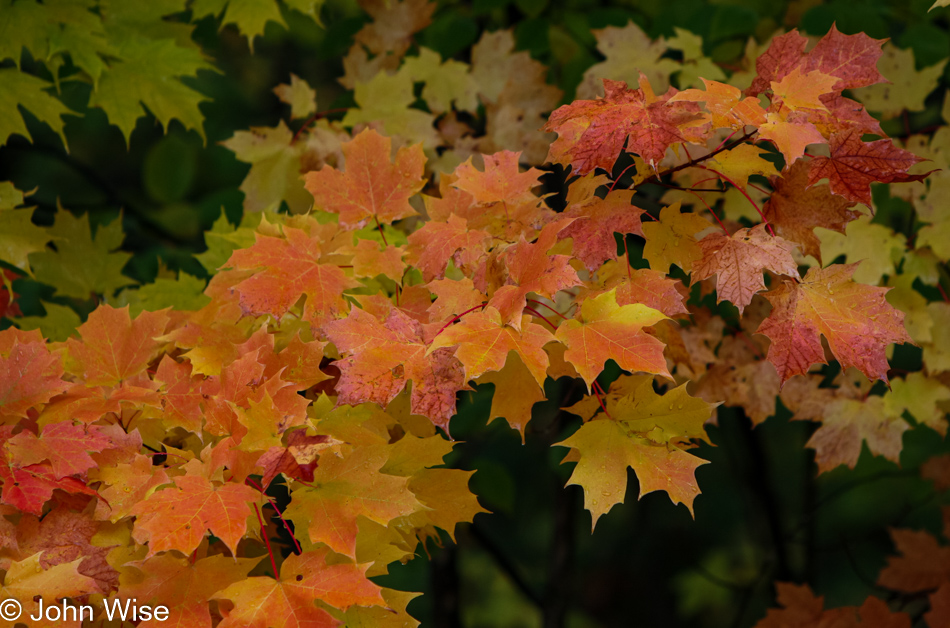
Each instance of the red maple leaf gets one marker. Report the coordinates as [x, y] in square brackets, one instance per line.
[593, 133]
[855, 164]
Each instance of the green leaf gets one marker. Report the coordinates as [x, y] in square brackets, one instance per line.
[249, 16]
[22, 27]
[184, 293]
[18, 235]
[59, 323]
[19, 89]
[82, 265]
[149, 77]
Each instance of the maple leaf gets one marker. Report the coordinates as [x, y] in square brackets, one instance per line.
[484, 342]
[854, 165]
[275, 171]
[726, 104]
[184, 586]
[847, 423]
[741, 378]
[630, 53]
[114, 347]
[179, 517]
[923, 564]
[516, 392]
[289, 602]
[739, 163]
[445, 83]
[453, 298]
[299, 95]
[597, 221]
[29, 488]
[796, 207]
[907, 87]
[791, 135]
[671, 239]
[501, 180]
[393, 24]
[290, 268]
[854, 318]
[531, 269]
[64, 535]
[345, 489]
[64, 445]
[297, 460]
[126, 484]
[606, 331]
[82, 265]
[802, 609]
[25, 580]
[852, 59]
[646, 431]
[597, 131]
[381, 358]
[798, 90]
[147, 74]
[432, 246]
[250, 18]
[20, 236]
[29, 375]
[387, 100]
[739, 260]
[371, 186]
[862, 236]
[21, 89]
[784, 53]
[920, 395]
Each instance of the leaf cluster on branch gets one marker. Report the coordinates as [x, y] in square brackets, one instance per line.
[325, 359]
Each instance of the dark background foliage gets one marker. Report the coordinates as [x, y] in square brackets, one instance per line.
[763, 516]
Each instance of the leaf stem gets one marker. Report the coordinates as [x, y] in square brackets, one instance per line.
[595, 388]
[270, 551]
[459, 316]
[547, 306]
[539, 315]
[698, 160]
[254, 484]
[768, 225]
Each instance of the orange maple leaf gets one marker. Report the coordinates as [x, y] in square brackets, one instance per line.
[179, 517]
[29, 375]
[531, 269]
[372, 186]
[289, 602]
[381, 358]
[500, 182]
[288, 269]
[345, 489]
[726, 104]
[114, 347]
[606, 331]
[855, 319]
[64, 445]
[484, 341]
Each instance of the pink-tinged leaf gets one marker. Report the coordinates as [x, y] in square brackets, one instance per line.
[854, 318]
[739, 260]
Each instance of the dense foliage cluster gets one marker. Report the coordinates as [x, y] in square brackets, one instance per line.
[252, 451]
